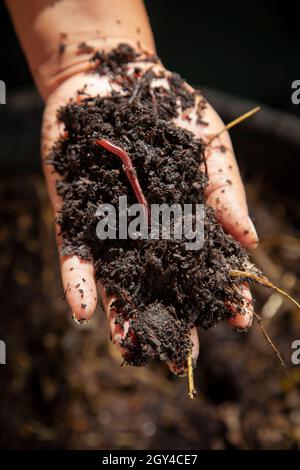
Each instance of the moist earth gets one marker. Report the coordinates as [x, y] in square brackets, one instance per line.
[162, 288]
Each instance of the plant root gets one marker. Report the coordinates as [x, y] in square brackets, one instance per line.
[233, 123]
[263, 281]
[272, 345]
[192, 390]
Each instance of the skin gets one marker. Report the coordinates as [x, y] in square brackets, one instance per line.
[59, 71]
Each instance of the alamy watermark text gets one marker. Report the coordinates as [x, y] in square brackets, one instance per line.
[174, 222]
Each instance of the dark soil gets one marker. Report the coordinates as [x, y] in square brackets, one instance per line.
[170, 289]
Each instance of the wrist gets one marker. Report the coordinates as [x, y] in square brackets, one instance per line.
[50, 33]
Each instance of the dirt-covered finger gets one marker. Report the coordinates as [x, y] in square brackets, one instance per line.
[79, 287]
[182, 371]
[242, 313]
[77, 274]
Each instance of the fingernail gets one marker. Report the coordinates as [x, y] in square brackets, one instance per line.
[79, 321]
[241, 330]
[254, 232]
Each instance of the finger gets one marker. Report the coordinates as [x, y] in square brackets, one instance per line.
[242, 314]
[117, 332]
[79, 287]
[226, 195]
[77, 274]
[182, 371]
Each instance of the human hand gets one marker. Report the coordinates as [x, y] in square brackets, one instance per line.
[224, 193]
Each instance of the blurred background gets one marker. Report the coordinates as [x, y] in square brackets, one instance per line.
[62, 386]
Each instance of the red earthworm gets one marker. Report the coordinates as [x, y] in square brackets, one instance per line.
[129, 171]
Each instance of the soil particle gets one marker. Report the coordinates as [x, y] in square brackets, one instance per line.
[202, 105]
[61, 48]
[115, 62]
[84, 48]
[162, 288]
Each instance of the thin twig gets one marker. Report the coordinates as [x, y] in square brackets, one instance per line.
[272, 345]
[140, 84]
[192, 390]
[234, 123]
[264, 281]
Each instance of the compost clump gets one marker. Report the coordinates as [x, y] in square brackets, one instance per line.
[162, 288]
